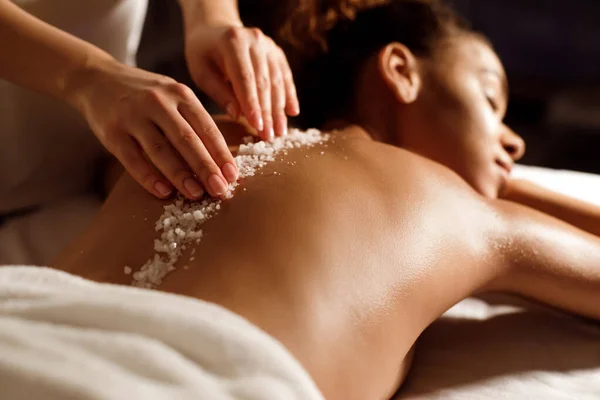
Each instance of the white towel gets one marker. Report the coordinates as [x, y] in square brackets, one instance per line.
[63, 337]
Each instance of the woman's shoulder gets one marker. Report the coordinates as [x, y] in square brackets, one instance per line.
[395, 164]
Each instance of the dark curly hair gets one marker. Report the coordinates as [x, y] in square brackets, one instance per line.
[328, 41]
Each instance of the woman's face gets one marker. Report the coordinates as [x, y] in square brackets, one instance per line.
[457, 118]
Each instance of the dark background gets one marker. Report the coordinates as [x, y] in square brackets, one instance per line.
[550, 49]
[551, 52]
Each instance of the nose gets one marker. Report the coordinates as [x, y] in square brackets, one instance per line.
[512, 143]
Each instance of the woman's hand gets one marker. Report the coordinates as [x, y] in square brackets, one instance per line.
[156, 127]
[245, 72]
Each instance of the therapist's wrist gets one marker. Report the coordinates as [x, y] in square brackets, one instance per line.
[202, 14]
[208, 26]
[85, 75]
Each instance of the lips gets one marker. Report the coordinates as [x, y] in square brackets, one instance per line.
[507, 167]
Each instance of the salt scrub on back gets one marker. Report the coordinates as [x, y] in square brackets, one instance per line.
[181, 221]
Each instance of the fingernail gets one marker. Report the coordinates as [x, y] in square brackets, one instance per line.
[193, 187]
[295, 108]
[271, 134]
[217, 185]
[230, 172]
[231, 109]
[163, 189]
[260, 123]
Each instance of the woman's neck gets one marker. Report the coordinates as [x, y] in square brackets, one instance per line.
[341, 126]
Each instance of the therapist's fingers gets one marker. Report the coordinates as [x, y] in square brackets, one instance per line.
[240, 71]
[165, 159]
[233, 65]
[292, 105]
[214, 84]
[193, 151]
[212, 139]
[131, 156]
[263, 84]
[123, 105]
[278, 98]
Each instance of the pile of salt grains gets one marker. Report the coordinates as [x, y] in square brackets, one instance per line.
[181, 221]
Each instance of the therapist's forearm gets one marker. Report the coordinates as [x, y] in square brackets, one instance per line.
[41, 57]
[212, 12]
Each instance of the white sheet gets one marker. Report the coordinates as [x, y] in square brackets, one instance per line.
[503, 348]
[62, 337]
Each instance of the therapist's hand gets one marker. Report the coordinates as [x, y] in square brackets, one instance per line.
[245, 73]
[157, 128]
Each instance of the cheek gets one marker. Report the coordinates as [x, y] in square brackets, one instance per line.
[467, 120]
[459, 133]
[458, 130]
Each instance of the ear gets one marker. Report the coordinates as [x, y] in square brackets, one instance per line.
[398, 67]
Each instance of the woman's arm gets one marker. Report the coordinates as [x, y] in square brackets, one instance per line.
[545, 259]
[579, 213]
[240, 68]
[156, 127]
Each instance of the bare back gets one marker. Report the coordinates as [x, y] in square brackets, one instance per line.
[344, 253]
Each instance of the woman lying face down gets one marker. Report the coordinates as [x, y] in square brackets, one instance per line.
[346, 251]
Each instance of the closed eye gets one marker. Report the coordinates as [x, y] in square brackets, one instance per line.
[493, 103]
